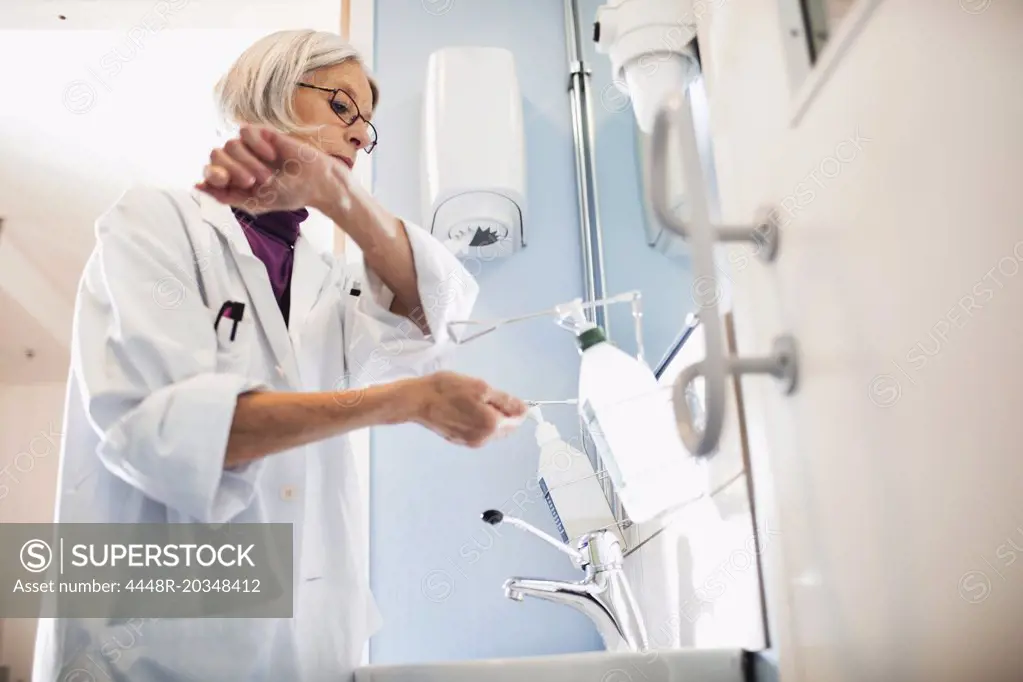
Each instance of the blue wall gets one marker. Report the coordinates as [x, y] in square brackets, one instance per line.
[437, 570]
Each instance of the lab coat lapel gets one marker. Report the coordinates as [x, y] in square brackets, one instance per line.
[257, 283]
[308, 275]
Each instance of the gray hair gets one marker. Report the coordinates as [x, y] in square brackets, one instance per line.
[259, 86]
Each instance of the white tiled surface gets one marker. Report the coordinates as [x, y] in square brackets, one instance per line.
[697, 582]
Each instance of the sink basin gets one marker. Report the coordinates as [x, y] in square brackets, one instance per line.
[683, 665]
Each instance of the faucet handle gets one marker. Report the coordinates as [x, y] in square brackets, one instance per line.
[494, 517]
[601, 550]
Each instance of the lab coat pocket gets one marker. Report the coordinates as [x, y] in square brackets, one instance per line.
[235, 339]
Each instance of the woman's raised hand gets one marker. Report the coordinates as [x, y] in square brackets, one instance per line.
[263, 170]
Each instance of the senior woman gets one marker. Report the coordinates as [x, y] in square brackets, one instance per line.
[219, 360]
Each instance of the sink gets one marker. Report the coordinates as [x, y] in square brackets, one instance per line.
[680, 665]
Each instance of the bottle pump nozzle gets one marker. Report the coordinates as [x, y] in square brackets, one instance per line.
[535, 414]
[572, 317]
[545, 431]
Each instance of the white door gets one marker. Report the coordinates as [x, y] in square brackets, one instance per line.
[894, 476]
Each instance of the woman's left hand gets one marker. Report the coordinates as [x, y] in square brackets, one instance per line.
[263, 170]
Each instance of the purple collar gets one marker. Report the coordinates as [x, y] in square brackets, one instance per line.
[285, 225]
[272, 237]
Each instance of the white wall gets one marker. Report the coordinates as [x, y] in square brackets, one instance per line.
[147, 119]
[30, 424]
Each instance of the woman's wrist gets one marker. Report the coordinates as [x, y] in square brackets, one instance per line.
[397, 402]
[332, 191]
[342, 199]
[405, 401]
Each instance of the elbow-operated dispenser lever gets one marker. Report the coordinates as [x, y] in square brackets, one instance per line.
[494, 517]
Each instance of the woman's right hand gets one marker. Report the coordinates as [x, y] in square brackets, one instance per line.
[264, 170]
[463, 410]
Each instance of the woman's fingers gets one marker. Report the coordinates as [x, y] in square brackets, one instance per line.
[483, 424]
[237, 175]
[256, 140]
[508, 405]
[248, 165]
[289, 149]
[283, 145]
[215, 176]
[242, 162]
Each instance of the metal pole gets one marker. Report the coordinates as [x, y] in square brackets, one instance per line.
[585, 167]
[589, 210]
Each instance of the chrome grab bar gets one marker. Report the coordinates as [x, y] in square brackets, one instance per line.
[676, 112]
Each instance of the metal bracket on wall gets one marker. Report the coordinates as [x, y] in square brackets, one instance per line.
[577, 68]
[763, 234]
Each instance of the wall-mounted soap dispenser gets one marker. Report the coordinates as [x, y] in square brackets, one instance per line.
[474, 165]
[651, 47]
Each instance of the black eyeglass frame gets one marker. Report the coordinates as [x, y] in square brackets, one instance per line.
[358, 114]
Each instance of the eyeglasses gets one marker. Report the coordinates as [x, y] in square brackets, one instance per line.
[342, 104]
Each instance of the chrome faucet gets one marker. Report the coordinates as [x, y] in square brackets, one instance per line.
[604, 594]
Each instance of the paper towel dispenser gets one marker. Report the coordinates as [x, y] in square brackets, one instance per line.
[474, 165]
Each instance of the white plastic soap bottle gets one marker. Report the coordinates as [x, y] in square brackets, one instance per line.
[569, 484]
[632, 424]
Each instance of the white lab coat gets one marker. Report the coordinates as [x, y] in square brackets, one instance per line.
[151, 396]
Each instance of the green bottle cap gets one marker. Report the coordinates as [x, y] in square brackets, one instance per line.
[590, 337]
